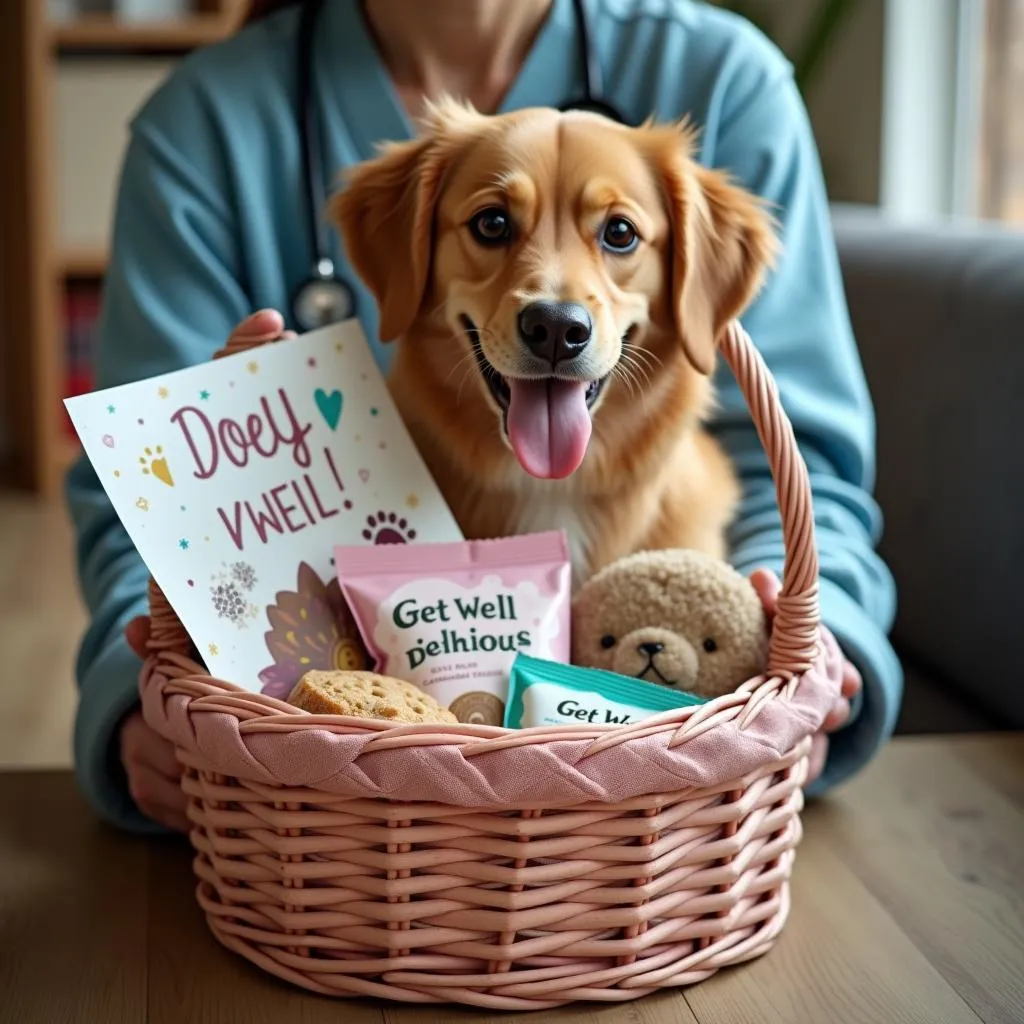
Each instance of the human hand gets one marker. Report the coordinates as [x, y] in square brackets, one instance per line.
[153, 770]
[767, 585]
[263, 325]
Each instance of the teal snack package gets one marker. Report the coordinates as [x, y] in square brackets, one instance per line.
[542, 692]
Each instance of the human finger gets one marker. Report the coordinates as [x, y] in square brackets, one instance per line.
[170, 817]
[137, 634]
[155, 795]
[141, 745]
[838, 716]
[263, 323]
[767, 585]
[818, 755]
[852, 681]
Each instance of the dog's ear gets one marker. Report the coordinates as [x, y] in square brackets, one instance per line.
[385, 213]
[723, 243]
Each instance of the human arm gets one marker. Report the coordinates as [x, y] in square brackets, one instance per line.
[801, 326]
[172, 293]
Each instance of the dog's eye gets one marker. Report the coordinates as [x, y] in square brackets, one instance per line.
[710, 646]
[607, 641]
[492, 226]
[619, 235]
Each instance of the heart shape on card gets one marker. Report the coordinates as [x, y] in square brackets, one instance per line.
[108, 440]
[330, 406]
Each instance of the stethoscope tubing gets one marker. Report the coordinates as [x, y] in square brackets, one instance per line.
[322, 270]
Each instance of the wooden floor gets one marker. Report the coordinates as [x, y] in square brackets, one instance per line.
[908, 908]
[41, 622]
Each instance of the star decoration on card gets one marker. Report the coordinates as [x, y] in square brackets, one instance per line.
[142, 505]
[162, 392]
[183, 544]
[204, 394]
[213, 649]
[252, 367]
[110, 409]
[412, 500]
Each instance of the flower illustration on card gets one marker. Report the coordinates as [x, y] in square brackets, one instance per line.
[228, 603]
[244, 575]
[310, 628]
[228, 593]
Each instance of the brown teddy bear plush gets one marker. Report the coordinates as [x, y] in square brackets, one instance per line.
[678, 617]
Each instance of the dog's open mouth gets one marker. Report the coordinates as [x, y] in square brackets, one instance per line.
[547, 420]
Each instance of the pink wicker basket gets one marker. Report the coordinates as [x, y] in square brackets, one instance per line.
[513, 870]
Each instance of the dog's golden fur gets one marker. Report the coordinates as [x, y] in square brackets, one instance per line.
[652, 476]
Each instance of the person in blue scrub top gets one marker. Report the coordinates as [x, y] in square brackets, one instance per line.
[210, 238]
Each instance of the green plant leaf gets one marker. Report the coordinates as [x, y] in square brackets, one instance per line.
[821, 35]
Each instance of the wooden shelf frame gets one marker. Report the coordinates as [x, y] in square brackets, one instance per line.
[36, 269]
[81, 263]
[100, 33]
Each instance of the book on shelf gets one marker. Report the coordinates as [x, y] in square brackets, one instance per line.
[80, 315]
[122, 10]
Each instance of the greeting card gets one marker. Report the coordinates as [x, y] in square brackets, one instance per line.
[237, 478]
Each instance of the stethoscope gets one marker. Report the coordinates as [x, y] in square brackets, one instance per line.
[325, 297]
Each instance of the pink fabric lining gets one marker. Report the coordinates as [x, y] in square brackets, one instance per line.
[483, 766]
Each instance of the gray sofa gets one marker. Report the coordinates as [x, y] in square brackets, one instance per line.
[939, 318]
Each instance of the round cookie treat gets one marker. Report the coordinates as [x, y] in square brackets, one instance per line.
[366, 695]
[478, 708]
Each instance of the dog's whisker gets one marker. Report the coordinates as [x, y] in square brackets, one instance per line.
[642, 359]
[622, 372]
[638, 375]
[631, 355]
[633, 375]
[637, 353]
[466, 362]
[462, 384]
[627, 359]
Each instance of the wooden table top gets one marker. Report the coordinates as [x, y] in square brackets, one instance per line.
[908, 906]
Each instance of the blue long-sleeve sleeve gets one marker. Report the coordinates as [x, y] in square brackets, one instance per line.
[171, 297]
[761, 134]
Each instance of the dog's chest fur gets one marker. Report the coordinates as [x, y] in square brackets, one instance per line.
[559, 512]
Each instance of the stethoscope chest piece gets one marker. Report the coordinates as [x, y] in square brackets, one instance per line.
[324, 299]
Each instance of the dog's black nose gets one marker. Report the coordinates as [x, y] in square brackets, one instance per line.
[555, 331]
[650, 649]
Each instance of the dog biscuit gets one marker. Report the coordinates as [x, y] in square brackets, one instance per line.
[366, 695]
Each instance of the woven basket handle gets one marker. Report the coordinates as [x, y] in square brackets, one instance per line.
[794, 642]
[795, 637]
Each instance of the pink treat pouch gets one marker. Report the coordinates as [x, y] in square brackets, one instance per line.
[451, 617]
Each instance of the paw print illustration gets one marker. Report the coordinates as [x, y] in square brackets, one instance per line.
[388, 528]
[153, 462]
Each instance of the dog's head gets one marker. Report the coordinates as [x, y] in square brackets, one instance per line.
[563, 257]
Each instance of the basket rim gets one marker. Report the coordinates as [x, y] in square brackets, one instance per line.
[233, 732]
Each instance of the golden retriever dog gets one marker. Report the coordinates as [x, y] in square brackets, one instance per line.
[556, 284]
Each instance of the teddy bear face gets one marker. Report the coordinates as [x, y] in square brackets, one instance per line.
[676, 618]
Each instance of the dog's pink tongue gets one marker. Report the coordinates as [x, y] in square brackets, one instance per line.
[549, 426]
